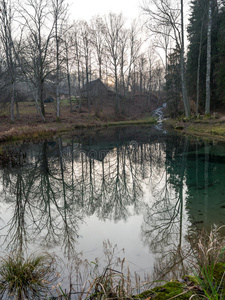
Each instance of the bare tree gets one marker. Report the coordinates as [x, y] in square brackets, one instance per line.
[68, 45]
[59, 11]
[164, 14]
[7, 41]
[141, 66]
[97, 38]
[86, 53]
[77, 56]
[114, 26]
[161, 40]
[123, 58]
[134, 47]
[35, 54]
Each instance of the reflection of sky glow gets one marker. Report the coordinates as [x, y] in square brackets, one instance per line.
[130, 196]
[125, 230]
[125, 234]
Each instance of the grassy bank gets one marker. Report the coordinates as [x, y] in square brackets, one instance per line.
[37, 278]
[30, 125]
[45, 130]
[205, 127]
[209, 128]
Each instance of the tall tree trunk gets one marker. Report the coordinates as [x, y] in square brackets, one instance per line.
[208, 64]
[149, 90]
[166, 59]
[57, 65]
[100, 68]
[183, 77]
[141, 79]
[79, 82]
[17, 109]
[69, 88]
[198, 70]
[87, 84]
[12, 101]
[68, 76]
[116, 86]
[40, 98]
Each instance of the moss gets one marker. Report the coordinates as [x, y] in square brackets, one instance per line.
[207, 116]
[218, 130]
[167, 291]
[191, 279]
[179, 127]
[133, 122]
[206, 128]
[218, 273]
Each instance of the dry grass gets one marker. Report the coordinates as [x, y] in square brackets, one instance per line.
[34, 277]
[210, 266]
[210, 248]
[105, 278]
[31, 126]
[29, 278]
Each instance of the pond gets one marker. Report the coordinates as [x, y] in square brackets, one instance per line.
[143, 189]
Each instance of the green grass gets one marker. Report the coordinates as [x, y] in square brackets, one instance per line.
[210, 268]
[34, 277]
[218, 130]
[205, 127]
[132, 122]
[29, 278]
[206, 281]
[118, 123]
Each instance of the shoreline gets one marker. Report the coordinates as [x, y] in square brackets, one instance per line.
[205, 128]
[44, 130]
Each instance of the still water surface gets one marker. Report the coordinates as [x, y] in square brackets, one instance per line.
[143, 189]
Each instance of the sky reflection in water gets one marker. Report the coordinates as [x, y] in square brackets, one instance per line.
[145, 191]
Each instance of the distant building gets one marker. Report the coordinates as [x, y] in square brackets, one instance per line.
[96, 89]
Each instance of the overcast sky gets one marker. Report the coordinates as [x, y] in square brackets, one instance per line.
[85, 9]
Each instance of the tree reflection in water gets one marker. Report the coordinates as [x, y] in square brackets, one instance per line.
[163, 224]
[56, 185]
[186, 165]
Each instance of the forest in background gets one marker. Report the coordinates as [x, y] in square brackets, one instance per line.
[205, 32]
[45, 54]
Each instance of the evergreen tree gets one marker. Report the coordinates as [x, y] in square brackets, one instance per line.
[173, 86]
[197, 51]
[208, 63]
[220, 66]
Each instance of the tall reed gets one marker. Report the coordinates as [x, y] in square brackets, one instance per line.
[210, 266]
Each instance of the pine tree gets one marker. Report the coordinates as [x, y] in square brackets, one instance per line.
[208, 62]
[220, 66]
[197, 51]
[173, 83]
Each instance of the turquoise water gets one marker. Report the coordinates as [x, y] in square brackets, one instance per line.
[147, 191]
